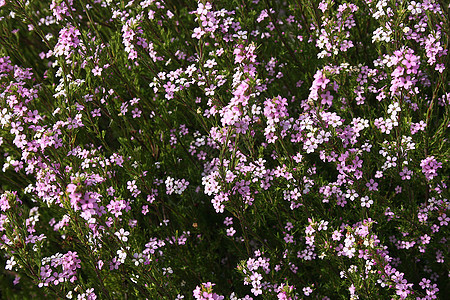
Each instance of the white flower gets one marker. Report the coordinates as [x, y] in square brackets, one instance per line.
[10, 263]
[138, 259]
[366, 202]
[122, 255]
[122, 234]
[167, 270]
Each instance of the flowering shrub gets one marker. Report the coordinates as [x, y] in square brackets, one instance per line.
[231, 149]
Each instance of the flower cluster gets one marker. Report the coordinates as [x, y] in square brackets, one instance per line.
[280, 149]
[205, 292]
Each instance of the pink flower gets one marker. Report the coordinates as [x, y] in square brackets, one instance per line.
[4, 203]
[231, 231]
[372, 185]
[136, 113]
[327, 98]
[429, 167]
[198, 33]
[97, 71]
